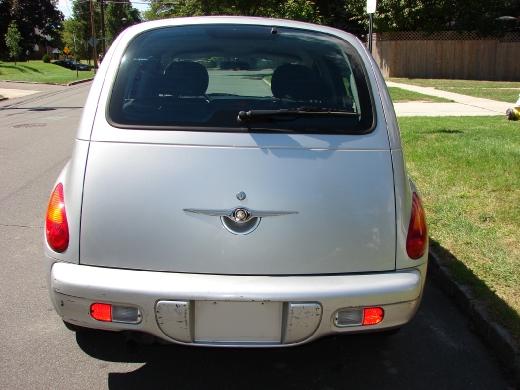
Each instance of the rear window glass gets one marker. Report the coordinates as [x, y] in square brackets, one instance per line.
[241, 78]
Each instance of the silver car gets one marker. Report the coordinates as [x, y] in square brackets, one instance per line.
[236, 182]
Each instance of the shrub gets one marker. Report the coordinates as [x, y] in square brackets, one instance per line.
[46, 58]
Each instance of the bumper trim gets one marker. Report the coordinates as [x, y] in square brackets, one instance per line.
[98, 283]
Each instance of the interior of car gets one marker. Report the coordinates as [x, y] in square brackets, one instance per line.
[208, 78]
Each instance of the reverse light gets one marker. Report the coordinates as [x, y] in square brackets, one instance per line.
[372, 315]
[417, 230]
[56, 225]
[351, 316]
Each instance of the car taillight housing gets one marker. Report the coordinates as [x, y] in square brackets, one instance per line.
[417, 237]
[372, 315]
[101, 311]
[56, 225]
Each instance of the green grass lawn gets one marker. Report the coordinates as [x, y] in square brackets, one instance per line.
[401, 95]
[468, 171]
[40, 72]
[506, 91]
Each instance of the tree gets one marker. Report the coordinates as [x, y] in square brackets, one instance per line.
[79, 27]
[13, 40]
[5, 18]
[304, 10]
[119, 16]
[73, 38]
[39, 22]
[291, 9]
[437, 15]
[392, 15]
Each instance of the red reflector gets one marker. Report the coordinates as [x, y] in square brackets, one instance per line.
[417, 230]
[372, 315]
[56, 225]
[101, 312]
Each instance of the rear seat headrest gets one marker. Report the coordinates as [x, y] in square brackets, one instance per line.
[185, 78]
[296, 82]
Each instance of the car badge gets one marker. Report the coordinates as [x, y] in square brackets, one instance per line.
[240, 220]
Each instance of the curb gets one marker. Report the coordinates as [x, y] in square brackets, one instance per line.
[494, 335]
[78, 82]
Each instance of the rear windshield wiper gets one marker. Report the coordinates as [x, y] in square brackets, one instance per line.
[246, 116]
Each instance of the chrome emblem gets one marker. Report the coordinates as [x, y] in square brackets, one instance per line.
[241, 195]
[240, 220]
[241, 215]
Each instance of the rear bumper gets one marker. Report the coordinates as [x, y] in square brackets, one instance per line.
[74, 288]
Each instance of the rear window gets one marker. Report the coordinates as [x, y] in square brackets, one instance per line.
[241, 78]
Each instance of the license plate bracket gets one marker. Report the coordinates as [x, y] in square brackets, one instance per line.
[238, 322]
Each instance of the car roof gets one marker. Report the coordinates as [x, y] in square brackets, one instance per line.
[246, 20]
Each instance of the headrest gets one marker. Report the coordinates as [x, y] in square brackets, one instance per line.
[296, 82]
[185, 78]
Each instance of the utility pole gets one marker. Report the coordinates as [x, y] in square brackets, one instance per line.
[75, 52]
[370, 27]
[93, 32]
[103, 35]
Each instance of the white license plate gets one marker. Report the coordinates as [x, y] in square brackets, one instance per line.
[240, 322]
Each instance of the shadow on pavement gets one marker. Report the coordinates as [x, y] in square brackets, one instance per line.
[324, 364]
[434, 351]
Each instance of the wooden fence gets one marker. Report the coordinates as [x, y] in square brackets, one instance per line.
[448, 55]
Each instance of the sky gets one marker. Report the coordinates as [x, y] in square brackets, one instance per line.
[65, 6]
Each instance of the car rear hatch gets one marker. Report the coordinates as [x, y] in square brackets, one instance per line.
[155, 198]
[135, 196]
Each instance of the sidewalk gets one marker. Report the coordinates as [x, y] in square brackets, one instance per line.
[10, 93]
[464, 105]
[13, 92]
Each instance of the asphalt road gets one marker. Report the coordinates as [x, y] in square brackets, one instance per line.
[437, 350]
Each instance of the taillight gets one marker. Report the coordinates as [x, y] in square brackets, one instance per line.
[359, 316]
[56, 226]
[101, 312]
[373, 315]
[107, 312]
[417, 230]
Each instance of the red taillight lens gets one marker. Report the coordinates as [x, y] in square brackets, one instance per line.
[101, 312]
[417, 230]
[56, 226]
[372, 315]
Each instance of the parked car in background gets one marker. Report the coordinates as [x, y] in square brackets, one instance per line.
[266, 207]
[63, 63]
[72, 64]
[79, 66]
[234, 65]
